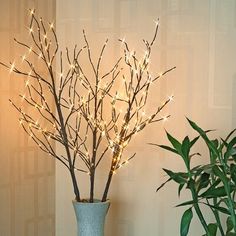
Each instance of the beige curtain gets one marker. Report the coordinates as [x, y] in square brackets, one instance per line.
[27, 182]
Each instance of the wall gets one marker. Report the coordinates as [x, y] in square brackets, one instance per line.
[196, 36]
[27, 176]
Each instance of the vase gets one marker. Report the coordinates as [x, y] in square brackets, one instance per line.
[91, 217]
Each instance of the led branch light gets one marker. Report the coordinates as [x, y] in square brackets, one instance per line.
[85, 113]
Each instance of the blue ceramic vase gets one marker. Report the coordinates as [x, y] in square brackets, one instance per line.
[91, 217]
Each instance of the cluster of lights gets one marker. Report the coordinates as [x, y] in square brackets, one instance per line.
[123, 128]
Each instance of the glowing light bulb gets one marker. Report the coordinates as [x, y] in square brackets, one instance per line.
[171, 98]
[23, 58]
[12, 67]
[51, 26]
[32, 11]
[26, 83]
[156, 22]
[165, 118]
[123, 40]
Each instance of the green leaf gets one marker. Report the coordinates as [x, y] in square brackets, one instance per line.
[194, 154]
[168, 148]
[175, 143]
[214, 192]
[229, 135]
[222, 176]
[163, 184]
[179, 177]
[211, 188]
[186, 203]
[229, 224]
[194, 141]
[231, 234]
[185, 149]
[215, 142]
[197, 168]
[212, 229]
[191, 184]
[218, 208]
[230, 149]
[202, 133]
[180, 188]
[233, 172]
[203, 181]
[232, 142]
[185, 222]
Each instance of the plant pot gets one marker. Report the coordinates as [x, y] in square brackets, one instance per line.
[91, 217]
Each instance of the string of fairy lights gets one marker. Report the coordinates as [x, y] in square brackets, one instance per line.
[90, 118]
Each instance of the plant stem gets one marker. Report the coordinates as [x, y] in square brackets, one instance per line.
[111, 173]
[217, 217]
[92, 176]
[92, 169]
[229, 199]
[104, 197]
[215, 212]
[65, 140]
[232, 212]
[201, 218]
[198, 210]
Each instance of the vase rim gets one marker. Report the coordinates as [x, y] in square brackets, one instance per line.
[96, 202]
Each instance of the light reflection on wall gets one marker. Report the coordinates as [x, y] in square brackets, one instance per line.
[26, 174]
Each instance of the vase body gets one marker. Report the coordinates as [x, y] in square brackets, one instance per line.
[91, 217]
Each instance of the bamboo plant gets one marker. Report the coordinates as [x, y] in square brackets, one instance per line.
[212, 184]
[93, 115]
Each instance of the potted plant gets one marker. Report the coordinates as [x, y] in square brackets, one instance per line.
[90, 115]
[212, 184]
